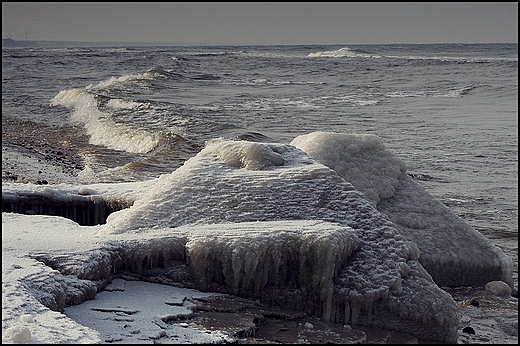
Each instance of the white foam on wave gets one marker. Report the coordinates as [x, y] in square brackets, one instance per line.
[345, 52]
[100, 127]
[127, 104]
[456, 59]
[439, 93]
[112, 81]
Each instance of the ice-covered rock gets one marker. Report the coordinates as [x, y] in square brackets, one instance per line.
[382, 283]
[498, 288]
[452, 251]
[361, 159]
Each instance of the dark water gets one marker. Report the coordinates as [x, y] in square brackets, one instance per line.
[449, 111]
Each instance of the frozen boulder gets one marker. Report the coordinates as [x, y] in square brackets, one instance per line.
[381, 283]
[452, 251]
[498, 288]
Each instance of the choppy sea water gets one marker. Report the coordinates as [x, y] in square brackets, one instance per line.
[449, 111]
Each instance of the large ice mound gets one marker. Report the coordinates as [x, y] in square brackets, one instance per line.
[381, 283]
[452, 251]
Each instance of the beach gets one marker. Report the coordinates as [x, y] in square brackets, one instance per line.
[37, 155]
[486, 317]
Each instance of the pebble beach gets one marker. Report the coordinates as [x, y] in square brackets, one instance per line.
[37, 155]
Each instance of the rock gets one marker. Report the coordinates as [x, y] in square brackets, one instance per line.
[474, 302]
[453, 252]
[383, 284]
[498, 288]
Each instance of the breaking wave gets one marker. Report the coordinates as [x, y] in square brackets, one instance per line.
[345, 52]
[101, 128]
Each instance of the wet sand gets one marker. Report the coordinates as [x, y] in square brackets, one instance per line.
[38, 155]
[493, 321]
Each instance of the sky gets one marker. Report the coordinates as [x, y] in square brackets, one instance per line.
[262, 23]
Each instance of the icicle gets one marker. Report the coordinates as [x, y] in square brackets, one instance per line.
[237, 259]
[347, 311]
[166, 259]
[369, 303]
[138, 268]
[355, 304]
[327, 303]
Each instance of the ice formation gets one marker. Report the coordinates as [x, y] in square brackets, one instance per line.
[361, 159]
[49, 263]
[375, 284]
[452, 251]
[18, 334]
[263, 259]
[269, 221]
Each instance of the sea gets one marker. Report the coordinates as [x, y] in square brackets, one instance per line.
[133, 113]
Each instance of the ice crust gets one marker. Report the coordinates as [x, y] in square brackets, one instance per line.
[361, 159]
[452, 251]
[208, 190]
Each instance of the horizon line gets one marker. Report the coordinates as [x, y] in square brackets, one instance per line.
[228, 44]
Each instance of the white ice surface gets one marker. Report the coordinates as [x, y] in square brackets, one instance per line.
[452, 251]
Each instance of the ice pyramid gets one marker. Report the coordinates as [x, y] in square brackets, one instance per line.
[378, 281]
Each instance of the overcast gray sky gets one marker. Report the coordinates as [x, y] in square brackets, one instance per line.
[263, 22]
